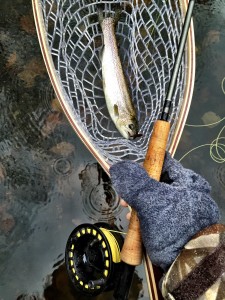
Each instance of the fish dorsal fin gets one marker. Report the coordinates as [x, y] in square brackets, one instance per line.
[116, 110]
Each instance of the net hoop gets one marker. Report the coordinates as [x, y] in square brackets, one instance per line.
[63, 97]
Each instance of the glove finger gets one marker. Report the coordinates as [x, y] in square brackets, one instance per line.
[181, 176]
[129, 179]
[198, 183]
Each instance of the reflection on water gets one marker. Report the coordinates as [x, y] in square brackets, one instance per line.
[100, 201]
[44, 168]
[59, 288]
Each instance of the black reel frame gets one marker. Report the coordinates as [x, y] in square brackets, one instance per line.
[89, 261]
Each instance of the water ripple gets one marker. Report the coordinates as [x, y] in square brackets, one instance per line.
[100, 200]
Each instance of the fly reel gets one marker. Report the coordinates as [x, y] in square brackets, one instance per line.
[92, 258]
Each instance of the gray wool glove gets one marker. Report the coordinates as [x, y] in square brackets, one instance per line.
[169, 214]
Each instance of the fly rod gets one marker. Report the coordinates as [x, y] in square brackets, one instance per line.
[131, 252]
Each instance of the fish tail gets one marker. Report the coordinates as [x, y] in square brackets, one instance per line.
[102, 15]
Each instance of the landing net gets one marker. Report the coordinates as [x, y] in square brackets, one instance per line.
[148, 34]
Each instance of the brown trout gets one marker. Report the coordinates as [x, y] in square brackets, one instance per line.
[118, 100]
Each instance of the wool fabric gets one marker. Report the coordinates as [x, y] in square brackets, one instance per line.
[170, 214]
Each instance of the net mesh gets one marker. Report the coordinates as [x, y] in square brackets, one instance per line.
[148, 32]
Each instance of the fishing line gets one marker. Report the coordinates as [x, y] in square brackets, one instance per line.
[120, 232]
[219, 147]
[114, 246]
[222, 85]
[216, 147]
[205, 125]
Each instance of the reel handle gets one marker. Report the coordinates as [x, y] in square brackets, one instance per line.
[132, 249]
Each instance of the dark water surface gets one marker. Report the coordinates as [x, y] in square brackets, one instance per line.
[208, 103]
[47, 175]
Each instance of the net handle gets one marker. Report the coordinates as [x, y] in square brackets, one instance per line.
[132, 249]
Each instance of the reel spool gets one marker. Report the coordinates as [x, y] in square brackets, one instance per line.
[92, 258]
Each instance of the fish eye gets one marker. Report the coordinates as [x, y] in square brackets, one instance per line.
[131, 126]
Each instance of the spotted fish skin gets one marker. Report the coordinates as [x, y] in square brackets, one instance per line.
[118, 100]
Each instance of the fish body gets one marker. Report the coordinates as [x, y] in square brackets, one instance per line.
[118, 100]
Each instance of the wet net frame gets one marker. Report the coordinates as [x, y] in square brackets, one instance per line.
[148, 33]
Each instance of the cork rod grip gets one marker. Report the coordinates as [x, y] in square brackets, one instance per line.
[132, 249]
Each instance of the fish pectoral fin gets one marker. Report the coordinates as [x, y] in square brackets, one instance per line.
[116, 110]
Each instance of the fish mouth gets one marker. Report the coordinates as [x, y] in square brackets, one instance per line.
[134, 136]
